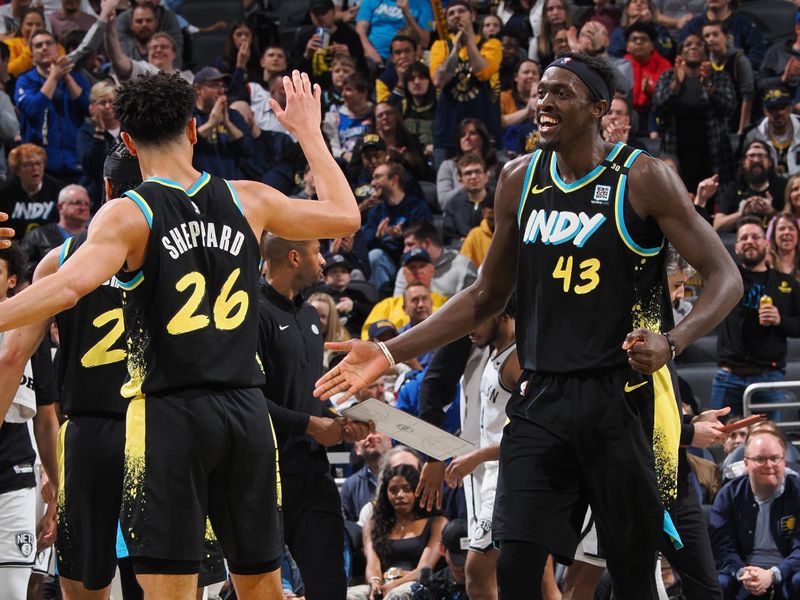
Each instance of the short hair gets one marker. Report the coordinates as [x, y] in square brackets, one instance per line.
[715, 23]
[415, 283]
[101, 89]
[424, 231]
[395, 169]
[599, 66]
[63, 194]
[470, 158]
[39, 32]
[155, 108]
[641, 27]
[275, 249]
[16, 259]
[401, 37]
[144, 4]
[357, 81]
[749, 220]
[24, 152]
[387, 457]
[760, 429]
[675, 263]
[166, 36]
[340, 58]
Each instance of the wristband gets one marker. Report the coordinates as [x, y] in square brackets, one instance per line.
[386, 353]
[374, 578]
[671, 343]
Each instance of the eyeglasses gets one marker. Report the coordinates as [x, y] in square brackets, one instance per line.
[31, 164]
[762, 460]
[104, 102]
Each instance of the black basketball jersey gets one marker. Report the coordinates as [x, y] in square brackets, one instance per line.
[92, 357]
[590, 269]
[191, 312]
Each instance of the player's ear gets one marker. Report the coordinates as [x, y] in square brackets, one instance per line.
[191, 131]
[107, 188]
[128, 141]
[600, 108]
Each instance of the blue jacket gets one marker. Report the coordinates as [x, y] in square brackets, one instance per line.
[54, 123]
[410, 210]
[732, 526]
[357, 491]
[745, 35]
[223, 158]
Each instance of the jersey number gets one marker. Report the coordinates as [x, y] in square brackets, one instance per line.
[101, 353]
[587, 272]
[230, 308]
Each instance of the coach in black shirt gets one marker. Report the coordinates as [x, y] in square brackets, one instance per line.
[290, 350]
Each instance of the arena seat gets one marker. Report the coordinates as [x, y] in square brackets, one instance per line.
[429, 191]
[774, 18]
[202, 13]
[702, 351]
[208, 47]
[699, 377]
[292, 15]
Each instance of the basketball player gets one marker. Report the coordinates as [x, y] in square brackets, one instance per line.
[189, 242]
[580, 227]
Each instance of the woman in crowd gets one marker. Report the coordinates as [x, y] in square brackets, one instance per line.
[516, 16]
[556, 15]
[400, 144]
[490, 26]
[642, 11]
[241, 59]
[783, 240]
[400, 539]
[332, 328]
[418, 107]
[21, 60]
[472, 137]
[98, 135]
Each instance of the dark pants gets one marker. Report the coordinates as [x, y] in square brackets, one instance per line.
[313, 528]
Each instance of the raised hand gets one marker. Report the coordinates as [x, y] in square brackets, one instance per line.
[243, 55]
[303, 114]
[364, 363]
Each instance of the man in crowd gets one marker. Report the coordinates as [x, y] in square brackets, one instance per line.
[451, 272]
[29, 197]
[352, 304]
[53, 102]
[137, 25]
[752, 340]
[70, 16]
[389, 84]
[781, 130]
[593, 40]
[309, 53]
[359, 488]
[462, 213]
[476, 244]
[754, 524]
[73, 217]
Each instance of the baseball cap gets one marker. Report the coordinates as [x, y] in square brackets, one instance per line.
[416, 254]
[456, 540]
[209, 74]
[337, 260]
[378, 328]
[776, 97]
[320, 6]
[372, 140]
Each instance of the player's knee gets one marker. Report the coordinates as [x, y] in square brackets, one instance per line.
[257, 568]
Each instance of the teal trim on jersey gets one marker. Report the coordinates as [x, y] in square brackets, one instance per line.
[672, 532]
[526, 185]
[62, 256]
[586, 179]
[191, 191]
[235, 196]
[142, 204]
[133, 283]
[619, 213]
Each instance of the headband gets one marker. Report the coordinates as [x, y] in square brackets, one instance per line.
[586, 74]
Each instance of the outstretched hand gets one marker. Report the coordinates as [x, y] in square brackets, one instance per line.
[363, 364]
[5, 232]
[302, 113]
[647, 351]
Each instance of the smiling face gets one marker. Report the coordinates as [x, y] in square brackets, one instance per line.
[160, 53]
[33, 21]
[786, 233]
[527, 76]
[766, 449]
[566, 110]
[751, 245]
[693, 51]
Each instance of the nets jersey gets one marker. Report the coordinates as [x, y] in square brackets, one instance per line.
[494, 397]
[92, 353]
[590, 269]
[191, 312]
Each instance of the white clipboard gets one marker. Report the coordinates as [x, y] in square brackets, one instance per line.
[408, 429]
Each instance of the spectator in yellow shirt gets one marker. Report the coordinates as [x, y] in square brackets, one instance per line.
[478, 239]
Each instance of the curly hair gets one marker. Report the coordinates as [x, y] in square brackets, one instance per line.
[154, 108]
[384, 516]
[16, 261]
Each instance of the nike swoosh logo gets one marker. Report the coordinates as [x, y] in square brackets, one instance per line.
[630, 388]
[537, 190]
[282, 327]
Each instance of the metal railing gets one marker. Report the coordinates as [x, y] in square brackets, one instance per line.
[748, 406]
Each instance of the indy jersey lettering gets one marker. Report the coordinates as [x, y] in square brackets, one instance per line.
[590, 269]
[92, 355]
[191, 312]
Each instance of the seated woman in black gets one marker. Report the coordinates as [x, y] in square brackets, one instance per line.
[399, 540]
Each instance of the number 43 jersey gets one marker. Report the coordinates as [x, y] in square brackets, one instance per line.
[91, 360]
[590, 269]
[191, 312]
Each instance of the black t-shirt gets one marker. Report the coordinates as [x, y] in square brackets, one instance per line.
[319, 67]
[26, 212]
[17, 455]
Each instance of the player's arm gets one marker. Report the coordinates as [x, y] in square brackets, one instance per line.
[466, 310]
[657, 191]
[336, 213]
[117, 236]
[19, 345]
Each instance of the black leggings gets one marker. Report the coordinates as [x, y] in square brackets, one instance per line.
[520, 568]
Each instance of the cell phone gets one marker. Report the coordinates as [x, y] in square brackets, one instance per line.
[743, 422]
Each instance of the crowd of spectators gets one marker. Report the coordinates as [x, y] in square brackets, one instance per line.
[422, 126]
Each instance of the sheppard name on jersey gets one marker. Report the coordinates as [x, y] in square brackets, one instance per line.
[560, 227]
[197, 233]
